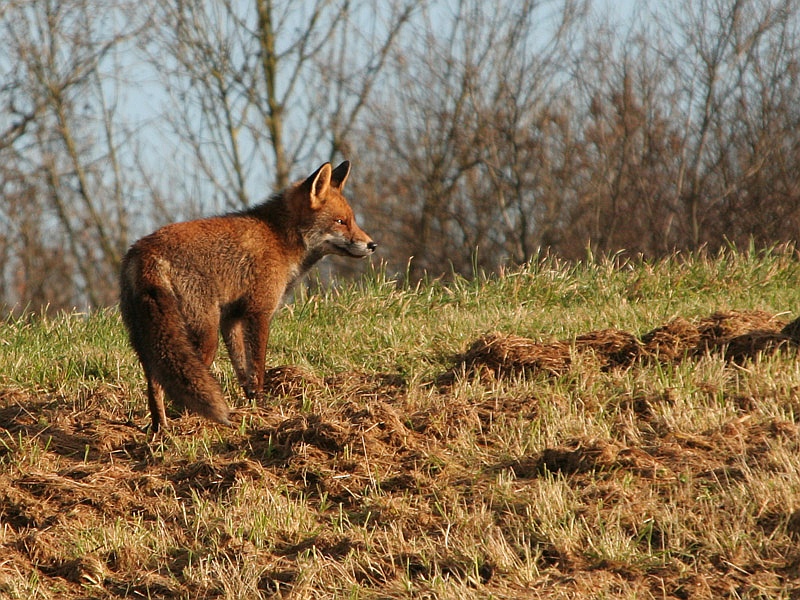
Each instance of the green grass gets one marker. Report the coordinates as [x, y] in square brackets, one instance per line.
[374, 480]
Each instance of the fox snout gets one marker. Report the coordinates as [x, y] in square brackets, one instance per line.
[364, 244]
[368, 247]
[356, 247]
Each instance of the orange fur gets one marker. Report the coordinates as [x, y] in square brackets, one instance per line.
[185, 282]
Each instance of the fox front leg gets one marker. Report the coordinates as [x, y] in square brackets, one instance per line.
[256, 336]
[233, 336]
[155, 401]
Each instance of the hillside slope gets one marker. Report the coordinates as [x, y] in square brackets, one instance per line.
[561, 431]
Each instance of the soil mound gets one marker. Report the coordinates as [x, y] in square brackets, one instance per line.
[737, 335]
[511, 354]
[671, 342]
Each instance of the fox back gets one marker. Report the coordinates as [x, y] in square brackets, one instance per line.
[186, 282]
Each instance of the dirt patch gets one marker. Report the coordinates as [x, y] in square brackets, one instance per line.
[299, 384]
[291, 382]
[792, 330]
[511, 354]
[614, 347]
[499, 355]
[671, 342]
[707, 454]
[737, 335]
[213, 479]
[719, 328]
[741, 348]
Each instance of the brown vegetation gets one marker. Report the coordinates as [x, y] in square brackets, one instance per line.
[484, 133]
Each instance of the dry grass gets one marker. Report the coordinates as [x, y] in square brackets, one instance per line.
[557, 461]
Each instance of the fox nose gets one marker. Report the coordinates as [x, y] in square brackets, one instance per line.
[371, 246]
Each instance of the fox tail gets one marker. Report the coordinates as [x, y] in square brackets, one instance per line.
[160, 337]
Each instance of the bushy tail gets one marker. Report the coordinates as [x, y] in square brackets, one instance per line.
[159, 336]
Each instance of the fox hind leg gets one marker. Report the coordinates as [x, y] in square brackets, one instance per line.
[204, 338]
[186, 348]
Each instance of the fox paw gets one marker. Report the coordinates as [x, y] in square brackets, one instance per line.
[251, 392]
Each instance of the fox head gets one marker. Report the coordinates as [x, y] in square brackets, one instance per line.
[330, 226]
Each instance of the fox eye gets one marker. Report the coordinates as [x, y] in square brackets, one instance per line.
[340, 221]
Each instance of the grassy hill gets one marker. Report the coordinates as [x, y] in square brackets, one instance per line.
[561, 431]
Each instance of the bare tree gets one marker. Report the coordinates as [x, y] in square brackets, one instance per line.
[629, 147]
[686, 130]
[480, 132]
[721, 49]
[59, 144]
[456, 147]
[254, 89]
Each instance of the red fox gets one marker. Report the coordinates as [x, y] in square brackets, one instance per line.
[186, 282]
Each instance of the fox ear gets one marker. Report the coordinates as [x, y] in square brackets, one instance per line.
[339, 175]
[318, 184]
